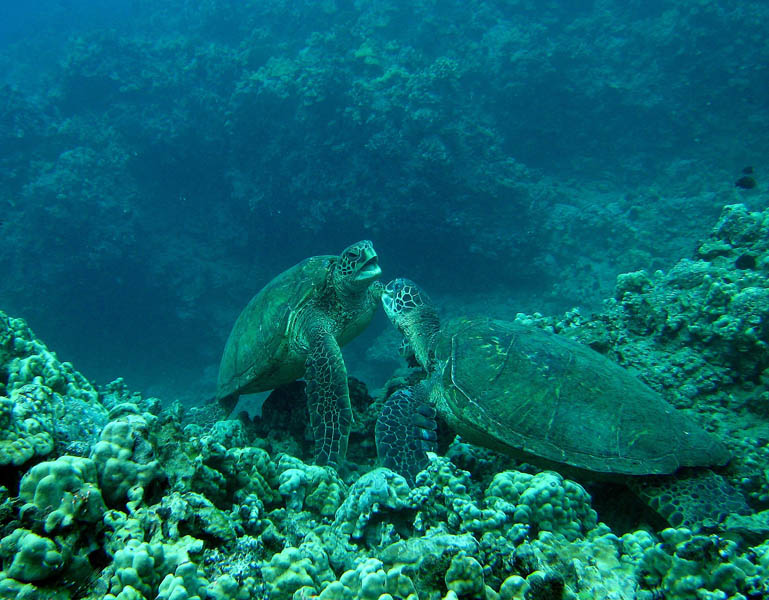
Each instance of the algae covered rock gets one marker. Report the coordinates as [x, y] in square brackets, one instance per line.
[27, 424]
[62, 493]
[226, 587]
[61, 512]
[293, 569]
[689, 566]
[317, 488]
[442, 494]
[716, 304]
[24, 358]
[216, 462]
[147, 570]
[29, 557]
[124, 458]
[545, 501]
[377, 501]
[42, 401]
[436, 544]
[464, 577]
[193, 514]
[591, 566]
[371, 580]
[186, 583]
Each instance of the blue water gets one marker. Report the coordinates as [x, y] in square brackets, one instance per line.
[161, 161]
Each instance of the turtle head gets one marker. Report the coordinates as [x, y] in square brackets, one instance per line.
[414, 315]
[357, 267]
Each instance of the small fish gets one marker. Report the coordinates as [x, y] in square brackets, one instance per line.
[746, 182]
[747, 170]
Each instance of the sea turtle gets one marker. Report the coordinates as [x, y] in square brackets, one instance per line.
[296, 326]
[533, 394]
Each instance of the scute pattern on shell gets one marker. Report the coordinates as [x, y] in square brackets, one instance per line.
[561, 401]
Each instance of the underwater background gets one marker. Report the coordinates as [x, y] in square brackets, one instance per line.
[598, 169]
[161, 161]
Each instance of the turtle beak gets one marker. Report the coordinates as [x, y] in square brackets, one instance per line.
[369, 268]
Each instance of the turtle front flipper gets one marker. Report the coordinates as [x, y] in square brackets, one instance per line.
[690, 497]
[328, 397]
[405, 432]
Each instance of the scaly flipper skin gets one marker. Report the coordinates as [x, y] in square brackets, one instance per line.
[405, 432]
[328, 397]
[692, 496]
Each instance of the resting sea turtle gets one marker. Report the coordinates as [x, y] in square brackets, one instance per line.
[295, 326]
[533, 394]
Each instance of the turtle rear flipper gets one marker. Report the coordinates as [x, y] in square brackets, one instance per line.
[405, 432]
[690, 497]
[328, 397]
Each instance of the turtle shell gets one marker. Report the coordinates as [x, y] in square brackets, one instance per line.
[516, 388]
[259, 355]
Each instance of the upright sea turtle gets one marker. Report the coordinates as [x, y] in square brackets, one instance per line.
[296, 326]
[530, 393]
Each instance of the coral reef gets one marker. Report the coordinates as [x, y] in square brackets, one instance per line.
[154, 501]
